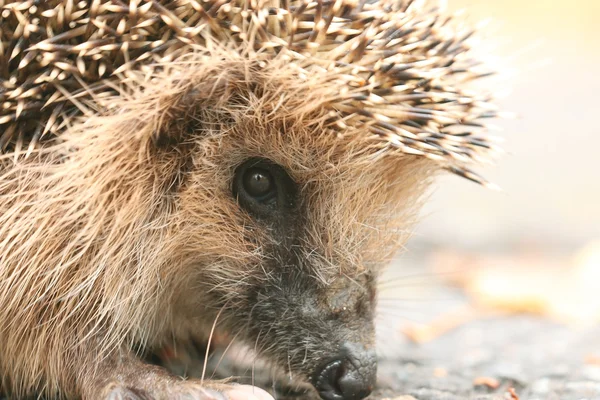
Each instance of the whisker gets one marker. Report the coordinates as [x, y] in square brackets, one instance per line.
[212, 331]
[273, 382]
[400, 300]
[223, 355]
[289, 366]
[305, 353]
[382, 282]
[403, 317]
[255, 355]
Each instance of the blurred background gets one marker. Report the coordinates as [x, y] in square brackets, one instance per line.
[550, 51]
[507, 284]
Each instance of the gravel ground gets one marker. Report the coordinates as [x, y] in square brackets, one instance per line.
[538, 358]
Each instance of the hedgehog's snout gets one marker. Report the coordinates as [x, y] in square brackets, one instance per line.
[350, 376]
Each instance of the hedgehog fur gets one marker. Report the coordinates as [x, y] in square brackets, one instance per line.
[123, 127]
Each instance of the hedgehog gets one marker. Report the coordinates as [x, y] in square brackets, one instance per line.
[217, 168]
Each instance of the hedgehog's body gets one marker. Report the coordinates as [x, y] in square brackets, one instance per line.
[126, 128]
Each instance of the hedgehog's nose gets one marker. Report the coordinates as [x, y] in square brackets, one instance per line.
[350, 377]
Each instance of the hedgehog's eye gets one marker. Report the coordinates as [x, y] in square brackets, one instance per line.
[264, 189]
[258, 183]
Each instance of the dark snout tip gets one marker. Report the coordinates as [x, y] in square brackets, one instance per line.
[351, 376]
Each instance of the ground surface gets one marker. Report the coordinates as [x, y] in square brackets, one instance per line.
[537, 358]
[483, 355]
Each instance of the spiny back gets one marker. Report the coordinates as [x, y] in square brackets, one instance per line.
[397, 68]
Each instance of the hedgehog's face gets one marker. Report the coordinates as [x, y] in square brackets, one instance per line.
[289, 232]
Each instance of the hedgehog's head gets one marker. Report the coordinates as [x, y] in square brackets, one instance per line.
[289, 210]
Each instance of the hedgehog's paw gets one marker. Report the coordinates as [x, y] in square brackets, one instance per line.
[117, 392]
[234, 391]
[187, 390]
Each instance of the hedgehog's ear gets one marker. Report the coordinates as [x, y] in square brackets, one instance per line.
[197, 109]
[178, 123]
